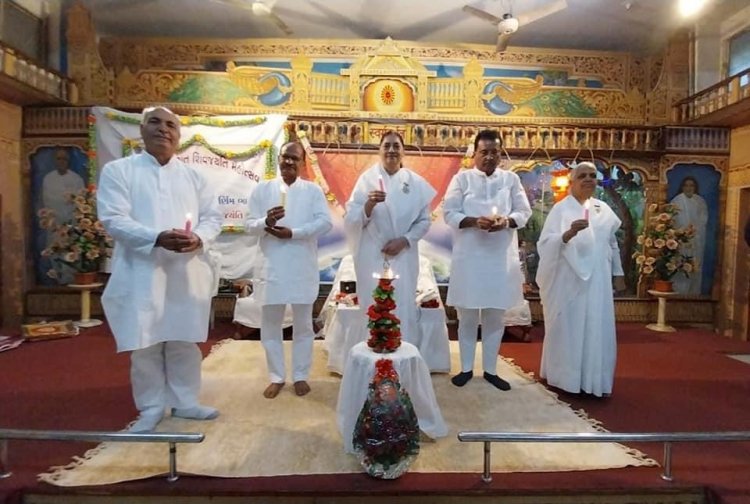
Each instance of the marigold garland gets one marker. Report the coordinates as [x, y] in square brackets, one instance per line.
[319, 179]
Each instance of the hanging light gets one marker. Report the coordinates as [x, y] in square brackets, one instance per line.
[689, 8]
[560, 183]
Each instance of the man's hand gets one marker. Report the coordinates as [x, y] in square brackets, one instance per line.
[373, 198]
[499, 222]
[274, 215]
[283, 233]
[485, 223]
[620, 283]
[395, 246]
[178, 240]
[576, 226]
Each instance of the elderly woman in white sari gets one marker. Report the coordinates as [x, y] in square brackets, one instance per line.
[386, 216]
[578, 255]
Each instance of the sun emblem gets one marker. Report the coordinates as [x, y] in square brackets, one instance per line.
[388, 94]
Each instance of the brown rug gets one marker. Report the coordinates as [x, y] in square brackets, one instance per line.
[255, 436]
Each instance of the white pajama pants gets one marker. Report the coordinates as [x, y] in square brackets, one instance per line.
[493, 327]
[271, 336]
[166, 375]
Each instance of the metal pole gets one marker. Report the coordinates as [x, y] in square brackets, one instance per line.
[667, 473]
[487, 476]
[172, 463]
[4, 472]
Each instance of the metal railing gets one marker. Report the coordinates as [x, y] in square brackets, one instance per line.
[99, 437]
[597, 437]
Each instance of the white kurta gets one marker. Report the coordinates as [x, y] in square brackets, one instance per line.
[156, 295]
[485, 268]
[693, 211]
[286, 271]
[575, 282]
[404, 213]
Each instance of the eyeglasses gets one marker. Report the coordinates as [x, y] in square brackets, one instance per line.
[585, 175]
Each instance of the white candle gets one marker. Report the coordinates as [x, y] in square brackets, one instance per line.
[188, 222]
[283, 195]
[381, 183]
[586, 209]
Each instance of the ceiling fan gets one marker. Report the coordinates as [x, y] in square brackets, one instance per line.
[260, 8]
[509, 24]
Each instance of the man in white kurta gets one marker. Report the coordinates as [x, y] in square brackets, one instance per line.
[386, 216]
[578, 255]
[484, 206]
[288, 214]
[157, 301]
[693, 211]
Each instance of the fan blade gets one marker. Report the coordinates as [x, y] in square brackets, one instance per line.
[481, 14]
[280, 23]
[502, 42]
[547, 10]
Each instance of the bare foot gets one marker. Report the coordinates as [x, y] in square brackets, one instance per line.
[273, 390]
[301, 388]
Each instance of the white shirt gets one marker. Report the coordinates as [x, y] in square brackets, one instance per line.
[154, 294]
[286, 270]
[485, 269]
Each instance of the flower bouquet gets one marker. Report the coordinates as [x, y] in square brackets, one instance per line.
[80, 243]
[661, 256]
[386, 435]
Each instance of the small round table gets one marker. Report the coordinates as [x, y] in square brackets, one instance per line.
[661, 319]
[86, 320]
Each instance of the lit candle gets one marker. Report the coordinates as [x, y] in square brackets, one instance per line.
[494, 213]
[381, 183]
[586, 209]
[188, 222]
[283, 195]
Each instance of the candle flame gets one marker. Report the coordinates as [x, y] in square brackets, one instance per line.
[494, 210]
[188, 216]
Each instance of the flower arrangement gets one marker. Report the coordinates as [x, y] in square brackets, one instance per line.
[661, 255]
[81, 243]
[386, 435]
[385, 328]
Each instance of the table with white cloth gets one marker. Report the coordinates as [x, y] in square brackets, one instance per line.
[413, 375]
[247, 312]
[345, 325]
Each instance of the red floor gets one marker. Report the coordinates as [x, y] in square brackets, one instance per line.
[665, 382]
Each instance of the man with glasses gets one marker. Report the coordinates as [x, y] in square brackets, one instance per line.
[578, 255]
[288, 214]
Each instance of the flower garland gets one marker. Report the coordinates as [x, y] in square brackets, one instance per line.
[194, 120]
[129, 144]
[385, 328]
[91, 166]
[319, 179]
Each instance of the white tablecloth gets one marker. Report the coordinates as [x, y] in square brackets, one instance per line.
[413, 375]
[247, 311]
[347, 326]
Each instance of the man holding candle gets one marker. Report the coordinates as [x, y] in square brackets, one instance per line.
[578, 255]
[387, 214]
[157, 301]
[288, 214]
[484, 206]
